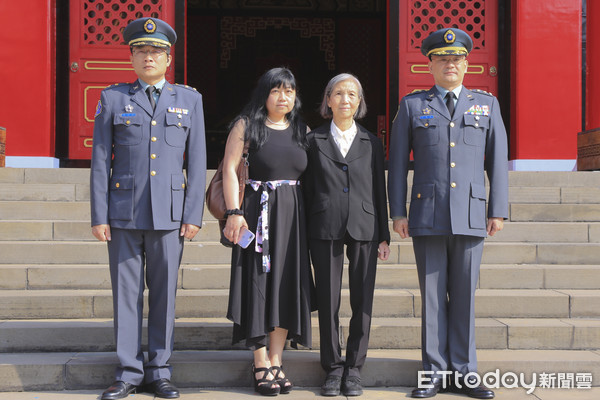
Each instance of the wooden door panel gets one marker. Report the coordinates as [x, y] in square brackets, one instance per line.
[98, 57]
[418, 18]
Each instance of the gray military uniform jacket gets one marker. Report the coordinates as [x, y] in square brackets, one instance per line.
[450, 154]
[147, 188]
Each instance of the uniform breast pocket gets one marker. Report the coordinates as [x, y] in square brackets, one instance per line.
[127, 129]
[176, 131]
[476, 127]
[425, 130]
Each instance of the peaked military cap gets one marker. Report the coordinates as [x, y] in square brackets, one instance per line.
[447, 41]
[149, 32]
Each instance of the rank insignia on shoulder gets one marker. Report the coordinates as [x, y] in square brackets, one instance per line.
[98, 108]
[482, 92]
[416, 91]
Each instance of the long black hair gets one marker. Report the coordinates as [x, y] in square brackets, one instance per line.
[255, 112]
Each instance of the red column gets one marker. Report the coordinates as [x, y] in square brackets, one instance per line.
[592, 120]
[546, 83]
[27, 72]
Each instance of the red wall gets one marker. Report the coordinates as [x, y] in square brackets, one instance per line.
[546, 79]
[593, 66]
[27, 73]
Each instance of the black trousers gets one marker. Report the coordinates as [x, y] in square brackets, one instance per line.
[328, 260]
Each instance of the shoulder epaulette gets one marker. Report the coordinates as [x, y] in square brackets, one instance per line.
[186, 86]
[481, 91]
[113, 85]
[416, 91]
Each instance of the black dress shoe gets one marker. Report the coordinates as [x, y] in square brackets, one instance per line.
[163, 388]
[331, 387]
[437, 386]
[118, 390]
[477, 392]
[351, 386]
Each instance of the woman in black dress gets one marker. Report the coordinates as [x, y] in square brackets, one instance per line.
[269, 292]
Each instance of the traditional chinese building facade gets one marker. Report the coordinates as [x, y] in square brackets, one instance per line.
[533, 55]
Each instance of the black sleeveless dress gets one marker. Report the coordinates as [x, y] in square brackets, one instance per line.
[260, 301]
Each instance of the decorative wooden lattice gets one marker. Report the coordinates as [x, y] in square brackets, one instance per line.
[430, 15]
[323, 28]
[104, 20]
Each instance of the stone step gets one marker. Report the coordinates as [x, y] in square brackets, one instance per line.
[90, 335]
[519, 232]
[516, 178]
[555, 212]
[230, 368]
[94, 252]
[216, 276]
[65, 192]
[392, 303]
[45, 175]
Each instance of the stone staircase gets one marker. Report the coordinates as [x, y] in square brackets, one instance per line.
[538, 305]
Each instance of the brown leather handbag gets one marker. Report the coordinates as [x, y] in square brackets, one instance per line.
[215, 199]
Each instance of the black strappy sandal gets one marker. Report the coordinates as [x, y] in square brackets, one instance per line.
[264, 386]
[285, 385]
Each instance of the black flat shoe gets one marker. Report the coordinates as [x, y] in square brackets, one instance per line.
[118, 390]
[331, 387]
[285, 385]
[264, 386]
[163, 388]
[477, 392]
[351, 386]
[437, 386]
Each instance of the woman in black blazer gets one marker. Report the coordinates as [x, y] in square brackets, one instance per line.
[346, 202]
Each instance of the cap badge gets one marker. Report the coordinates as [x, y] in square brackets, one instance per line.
[149, 26]
[449, 36]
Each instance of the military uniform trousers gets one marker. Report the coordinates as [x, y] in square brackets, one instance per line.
[327, 258]
[160, 251]
[448, 269]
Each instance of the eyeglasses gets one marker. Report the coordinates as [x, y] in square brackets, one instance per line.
[453, 60]
[154, 53]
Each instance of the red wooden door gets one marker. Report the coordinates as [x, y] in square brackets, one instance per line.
[418, 18]
[99, 57]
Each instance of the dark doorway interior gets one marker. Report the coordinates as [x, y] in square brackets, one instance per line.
[231, 43]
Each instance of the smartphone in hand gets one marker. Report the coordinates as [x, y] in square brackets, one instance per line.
[246, 237]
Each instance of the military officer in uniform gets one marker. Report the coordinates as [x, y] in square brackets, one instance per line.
[455, 134]
[143, 204]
